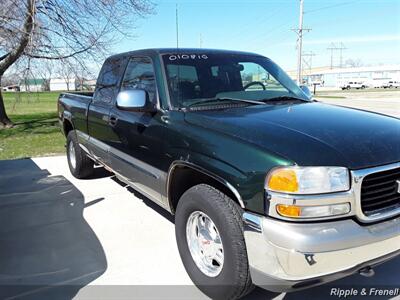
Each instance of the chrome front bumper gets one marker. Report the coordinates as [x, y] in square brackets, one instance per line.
[284, 256]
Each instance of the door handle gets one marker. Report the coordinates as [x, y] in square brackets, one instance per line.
[165, 119]
[113, 120]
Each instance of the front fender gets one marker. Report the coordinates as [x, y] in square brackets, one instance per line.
[244, 176]
[197, 167]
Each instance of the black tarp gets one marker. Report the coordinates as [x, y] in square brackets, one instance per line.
[47, 249]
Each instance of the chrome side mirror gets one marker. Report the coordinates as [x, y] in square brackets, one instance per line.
[306, 91]
[134, 100]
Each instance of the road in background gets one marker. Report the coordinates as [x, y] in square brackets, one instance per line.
[382, 101]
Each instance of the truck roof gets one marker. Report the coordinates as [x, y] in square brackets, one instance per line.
[158, 51]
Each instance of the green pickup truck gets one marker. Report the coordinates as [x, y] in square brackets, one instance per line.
[268, 186]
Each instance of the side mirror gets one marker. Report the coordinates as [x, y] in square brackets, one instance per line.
[134, 100]
[306, 91]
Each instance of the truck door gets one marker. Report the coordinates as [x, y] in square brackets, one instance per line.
[99, 123]
[137, 147]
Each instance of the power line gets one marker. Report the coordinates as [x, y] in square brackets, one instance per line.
[256, 35]
[331, 6]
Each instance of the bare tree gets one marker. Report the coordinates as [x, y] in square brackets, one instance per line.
[62, 30]
[45, 70]
[11, 79]
[68, 72]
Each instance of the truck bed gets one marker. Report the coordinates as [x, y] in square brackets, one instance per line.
[75, 105]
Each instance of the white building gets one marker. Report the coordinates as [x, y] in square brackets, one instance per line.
[32, 85]
[372, 76]
[61, 84]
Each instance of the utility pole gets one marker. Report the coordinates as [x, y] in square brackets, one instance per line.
[332, 47]
[307, 60]
[341, 48]
[337, 47]
[201, 40]
[300, 43]
[299, 32]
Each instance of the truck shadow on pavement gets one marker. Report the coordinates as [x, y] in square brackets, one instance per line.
[157, 208]
[47, 249]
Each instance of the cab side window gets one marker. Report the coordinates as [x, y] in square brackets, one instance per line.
[139, 74]
[107, 82]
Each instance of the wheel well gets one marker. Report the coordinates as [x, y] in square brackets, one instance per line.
[183, 178]
[67, 126]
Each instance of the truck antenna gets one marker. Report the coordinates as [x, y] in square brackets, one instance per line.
[177, 25]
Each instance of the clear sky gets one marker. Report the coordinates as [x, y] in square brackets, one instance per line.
[369, 29]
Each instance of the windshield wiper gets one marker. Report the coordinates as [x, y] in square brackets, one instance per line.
[282, 98]
[209, 100]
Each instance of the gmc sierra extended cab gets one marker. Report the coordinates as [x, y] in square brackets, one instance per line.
[268, 187]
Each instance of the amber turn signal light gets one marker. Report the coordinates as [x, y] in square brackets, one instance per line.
[291, 211]
[283, 180]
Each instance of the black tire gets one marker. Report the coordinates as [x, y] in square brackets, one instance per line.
[84, 166]
[233, 281]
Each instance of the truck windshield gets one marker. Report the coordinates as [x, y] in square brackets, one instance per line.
[193, 77]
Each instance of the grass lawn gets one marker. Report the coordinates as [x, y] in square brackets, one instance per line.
[36, 132]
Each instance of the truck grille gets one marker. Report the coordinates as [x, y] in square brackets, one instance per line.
[380, 191]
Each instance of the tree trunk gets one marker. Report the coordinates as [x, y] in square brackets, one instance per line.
[10, 58]
[4, 120]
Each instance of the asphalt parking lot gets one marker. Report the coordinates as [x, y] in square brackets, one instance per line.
[98, 239]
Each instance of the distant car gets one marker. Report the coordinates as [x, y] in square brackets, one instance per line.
[391, 84]
[353, 85]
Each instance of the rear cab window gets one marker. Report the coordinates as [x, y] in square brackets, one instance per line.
[108, 80]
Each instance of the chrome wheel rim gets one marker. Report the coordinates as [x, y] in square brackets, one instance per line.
[72, 156]
[205, 244]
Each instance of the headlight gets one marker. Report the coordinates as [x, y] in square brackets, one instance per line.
[308, 180]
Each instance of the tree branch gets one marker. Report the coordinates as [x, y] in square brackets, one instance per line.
[4, 56]
[13, 55]
[60, 57]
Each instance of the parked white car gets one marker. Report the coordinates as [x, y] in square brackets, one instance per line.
[391, 84]
[353, 85]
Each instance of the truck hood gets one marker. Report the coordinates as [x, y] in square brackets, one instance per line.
[310, 134]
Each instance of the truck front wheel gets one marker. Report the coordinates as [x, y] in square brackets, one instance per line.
[209, 234]
[80, 165]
